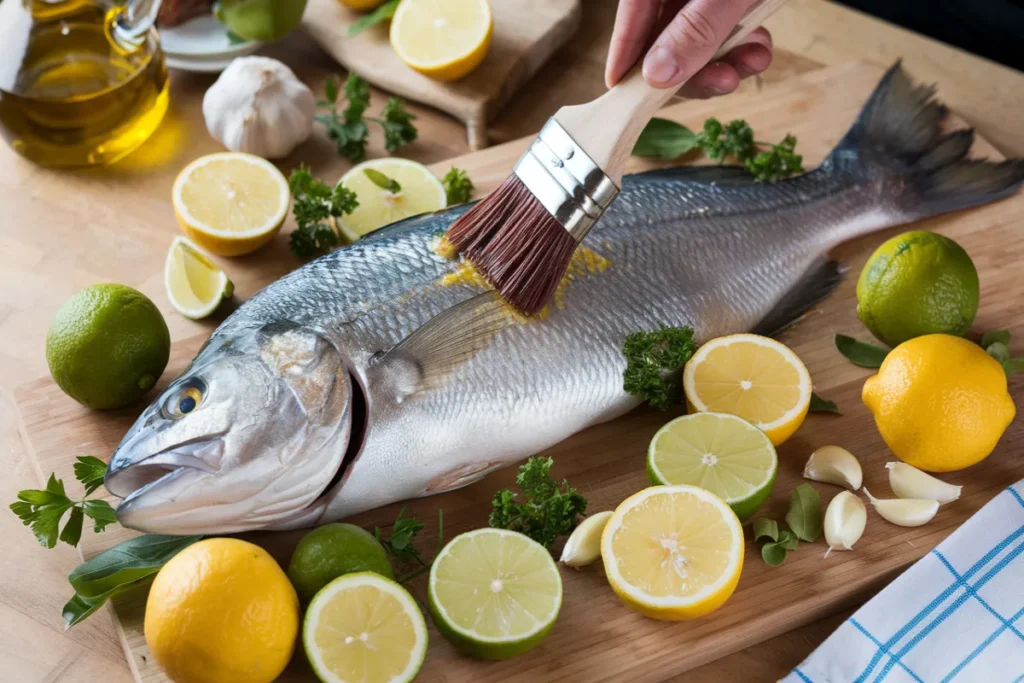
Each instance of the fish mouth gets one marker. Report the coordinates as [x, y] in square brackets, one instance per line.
[129, 480]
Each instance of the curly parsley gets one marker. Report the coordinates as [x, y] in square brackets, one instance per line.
[315, 206]
[457, 186]
[347, 127]
[546, 510]
[653, 361]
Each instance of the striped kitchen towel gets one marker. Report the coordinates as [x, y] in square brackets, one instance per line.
[955, 615]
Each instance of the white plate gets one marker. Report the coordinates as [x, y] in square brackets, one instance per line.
[208, 65]
[205, 38]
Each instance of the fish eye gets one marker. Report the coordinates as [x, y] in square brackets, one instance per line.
[185, 401]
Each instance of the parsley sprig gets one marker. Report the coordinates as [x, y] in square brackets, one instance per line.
[457, 186]
[43, 510]
[344, 118]
[653, 361]
[316, 206]
[399, 543]
[766, 161]
[547, 508]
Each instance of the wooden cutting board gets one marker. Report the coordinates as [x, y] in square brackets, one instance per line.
[596, 637]
[526, 34]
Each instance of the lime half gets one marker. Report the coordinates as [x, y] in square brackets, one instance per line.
[494, 593]
[720, 453]
[364, 628]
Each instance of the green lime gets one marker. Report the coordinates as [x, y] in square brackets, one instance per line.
[720, 453]
[326, 553]
[107, 346]
[915, 284]
[263, 20]
[494, 593]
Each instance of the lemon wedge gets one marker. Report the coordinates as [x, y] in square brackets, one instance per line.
[673, 552]
[194, 283]
[754, 377]
[231, 203]
[416, 191]
[442, 39]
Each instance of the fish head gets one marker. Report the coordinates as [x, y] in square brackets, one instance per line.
[247, 437]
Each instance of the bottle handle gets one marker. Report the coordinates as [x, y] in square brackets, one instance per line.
[128, 23]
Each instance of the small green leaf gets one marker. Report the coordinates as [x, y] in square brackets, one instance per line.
[821, 405]
[331, 89]
[1012, 366]
[995, 336]
[804, 516]
[773, 554]
[79, 607]
[860, 353]
[788, 540]
[999, 351]
[766, 528]
[72, 532]
[664, 139]
[100, 512]
[382, 13]
[56, 486]
[90, 471]
[382, 181]
[126, 563]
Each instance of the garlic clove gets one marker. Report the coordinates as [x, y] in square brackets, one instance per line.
[834, 465]
[584, 544]
[845, 519]
[909, 482]
[905, 511]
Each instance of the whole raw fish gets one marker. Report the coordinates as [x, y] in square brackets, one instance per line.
[381, 372]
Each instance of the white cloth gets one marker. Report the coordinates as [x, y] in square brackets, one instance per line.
[955, 615]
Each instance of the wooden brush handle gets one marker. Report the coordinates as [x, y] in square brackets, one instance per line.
[607, 128]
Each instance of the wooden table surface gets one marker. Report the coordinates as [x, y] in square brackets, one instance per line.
[49, 254]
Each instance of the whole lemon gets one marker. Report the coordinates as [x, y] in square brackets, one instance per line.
[917, 283]
[222, 610]
[940, 402]
[107, 346]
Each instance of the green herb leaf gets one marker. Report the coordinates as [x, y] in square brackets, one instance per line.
[1014, 365]
[664, 139]
[79, 607]
[999, 351]
[547, 509]
[860, 353]
[995, 336]
[315, 206]
[773, 554]
[382, 181]
[126, 563]
[653, 362]
[821, 405]
[457, 186]
[331, 89]
[400, 542]
[382, 13]
[766, 528]
[235, 39]
[804, 516]
[72, 532]
[56, 486]
[788, 540]
[397, 124]
[90, 471]
[100, 512]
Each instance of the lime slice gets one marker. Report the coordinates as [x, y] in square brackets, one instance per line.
[494, 593]
[364, 628]
[419, 192]
[721, 453]
[673, 552]
[194, 283]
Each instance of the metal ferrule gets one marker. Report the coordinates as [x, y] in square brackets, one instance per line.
[565, 180]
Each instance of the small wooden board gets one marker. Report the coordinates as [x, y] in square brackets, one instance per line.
[526, 34]
[596, 637]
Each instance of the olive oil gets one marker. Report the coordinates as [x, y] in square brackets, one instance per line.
[78, 98]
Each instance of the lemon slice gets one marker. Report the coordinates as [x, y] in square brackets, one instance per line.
[722, 453]
[419, 192]
[442, 39]
[673, 552]
[754, 377]
[194, 283]
[231, 203]
[494, 593]
[364, 628]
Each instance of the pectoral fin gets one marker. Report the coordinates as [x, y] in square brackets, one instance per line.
[428, 356]
[818, 282]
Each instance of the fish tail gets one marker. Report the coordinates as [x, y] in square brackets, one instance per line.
[898, 135]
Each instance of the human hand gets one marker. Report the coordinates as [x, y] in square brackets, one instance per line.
[686, 34]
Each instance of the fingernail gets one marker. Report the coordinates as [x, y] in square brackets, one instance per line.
[660, 67]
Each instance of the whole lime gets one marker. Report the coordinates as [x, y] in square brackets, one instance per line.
[107, 346]
[915, 284]
[326, 553]
[263, 20]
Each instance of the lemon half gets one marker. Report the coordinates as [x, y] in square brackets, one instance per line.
[442, 39]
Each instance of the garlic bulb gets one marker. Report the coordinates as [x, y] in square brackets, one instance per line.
[909, 482]
[905, 511]
[584, 544]
[258, 106]
[845, 519]
[834, 465]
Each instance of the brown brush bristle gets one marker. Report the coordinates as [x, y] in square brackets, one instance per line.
[516, 245]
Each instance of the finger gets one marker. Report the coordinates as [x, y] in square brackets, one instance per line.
[691, 39]
[752, 56]
[717, 78]
[634, 26]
